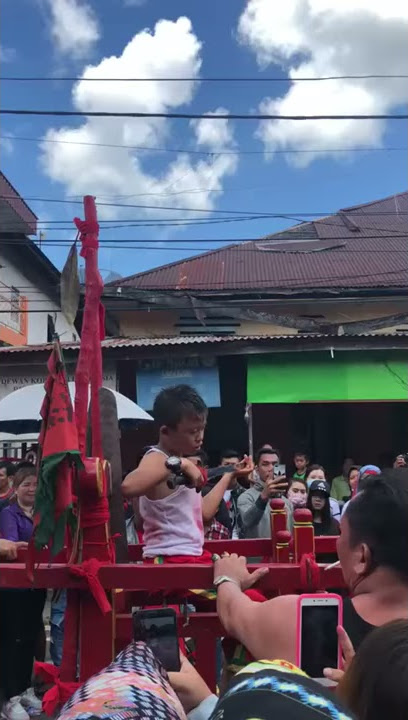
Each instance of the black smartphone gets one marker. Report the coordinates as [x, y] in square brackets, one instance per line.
[318, 645]
[158, 629]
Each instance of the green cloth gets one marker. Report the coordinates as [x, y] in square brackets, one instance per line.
[299, 476]
[340, 488]
[317, 377]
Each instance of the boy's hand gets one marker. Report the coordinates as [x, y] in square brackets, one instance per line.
[244, 468]
[192, 472]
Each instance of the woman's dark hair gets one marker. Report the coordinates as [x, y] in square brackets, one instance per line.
[378, 517]
[375, 686]
[352, 467]
[297, 480]
[175, 403]
[311, 468]
[325, 512]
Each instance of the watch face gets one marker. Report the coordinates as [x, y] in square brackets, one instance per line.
[173, 463]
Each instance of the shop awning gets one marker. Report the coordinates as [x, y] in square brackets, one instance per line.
[317, 377]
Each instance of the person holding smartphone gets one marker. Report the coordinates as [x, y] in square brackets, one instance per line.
[372, 553]
[253, 504]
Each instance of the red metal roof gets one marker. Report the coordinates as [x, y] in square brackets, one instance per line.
[15, 215]
[363, 246]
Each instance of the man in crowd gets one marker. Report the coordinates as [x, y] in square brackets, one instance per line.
[300, 461]
[340, 487]
[372, 552]
[253, 504]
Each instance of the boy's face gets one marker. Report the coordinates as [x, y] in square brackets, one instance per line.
[300, 463]
[187, 438]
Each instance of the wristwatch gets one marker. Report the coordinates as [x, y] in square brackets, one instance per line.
[221, 579]
[173, 464]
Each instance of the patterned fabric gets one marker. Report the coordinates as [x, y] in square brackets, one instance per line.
[217, 531]
[277, 689]
[133, 687]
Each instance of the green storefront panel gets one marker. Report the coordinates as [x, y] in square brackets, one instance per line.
[316, 377]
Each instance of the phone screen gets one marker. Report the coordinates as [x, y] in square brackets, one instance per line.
[158, 629]
[319, 642]
[279, 470]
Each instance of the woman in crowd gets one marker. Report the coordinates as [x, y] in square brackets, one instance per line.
[6, 483]
[297, 493]
[352, 479]
[318, 504]
[374, 684]
[21, 612]
[135, 686]
[317, 472]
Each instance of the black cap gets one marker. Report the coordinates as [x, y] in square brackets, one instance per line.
[320, 486]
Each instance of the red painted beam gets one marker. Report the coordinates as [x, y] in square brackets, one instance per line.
[248, 548]
[282, 577]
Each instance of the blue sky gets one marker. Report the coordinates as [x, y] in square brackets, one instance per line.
[255, 38]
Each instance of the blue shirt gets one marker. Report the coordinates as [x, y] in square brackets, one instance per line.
[14, 524]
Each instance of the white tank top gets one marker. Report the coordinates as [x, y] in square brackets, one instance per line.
[174, 524]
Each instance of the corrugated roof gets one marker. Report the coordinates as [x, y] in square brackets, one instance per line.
[177, 340]
[364, 246]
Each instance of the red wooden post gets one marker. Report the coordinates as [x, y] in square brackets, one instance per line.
[303, 533]
[278, 521]
[283, 539]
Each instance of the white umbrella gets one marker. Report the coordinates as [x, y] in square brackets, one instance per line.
[20, 410]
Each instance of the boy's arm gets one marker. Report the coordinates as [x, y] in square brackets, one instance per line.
[150, 473]
[211, 501]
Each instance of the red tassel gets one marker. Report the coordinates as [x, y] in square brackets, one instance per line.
[89, 570]
[309, 573]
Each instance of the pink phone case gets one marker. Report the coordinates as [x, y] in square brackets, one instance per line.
[298, 623]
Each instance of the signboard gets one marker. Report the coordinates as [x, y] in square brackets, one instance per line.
[18, 376]
[201, 373]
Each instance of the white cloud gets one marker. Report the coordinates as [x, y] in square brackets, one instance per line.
[325, 37]
[7, 54]
[7, 145]
[74, 27]
[172, 49]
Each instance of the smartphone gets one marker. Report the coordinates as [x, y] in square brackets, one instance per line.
[158, 629]
[317, 642]
[279, 470]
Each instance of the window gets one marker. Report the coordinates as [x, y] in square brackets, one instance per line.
[15, 306]
[189, 324]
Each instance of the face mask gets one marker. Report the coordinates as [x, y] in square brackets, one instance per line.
[297, 499]
[309, 482]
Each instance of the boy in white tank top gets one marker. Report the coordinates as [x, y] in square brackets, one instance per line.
[173, 520]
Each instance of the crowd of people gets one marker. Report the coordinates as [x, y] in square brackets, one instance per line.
[365, 507]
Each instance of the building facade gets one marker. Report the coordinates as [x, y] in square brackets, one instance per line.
[30, 310]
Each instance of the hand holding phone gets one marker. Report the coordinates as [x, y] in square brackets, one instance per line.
[318, 646]
[158, 629]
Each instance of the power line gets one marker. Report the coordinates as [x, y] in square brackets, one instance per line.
[202, 210]
[197, 116]
[182, 151]
[257, 78]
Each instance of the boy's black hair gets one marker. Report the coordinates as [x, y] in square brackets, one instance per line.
[9, 466]
[174, 403]
[301, 453]
[230, 453]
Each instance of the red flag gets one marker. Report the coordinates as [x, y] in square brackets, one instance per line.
[59, 458]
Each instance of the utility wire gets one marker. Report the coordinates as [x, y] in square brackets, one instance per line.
[182, 151]
[197, 116]
[202, 210]
[257, 78]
